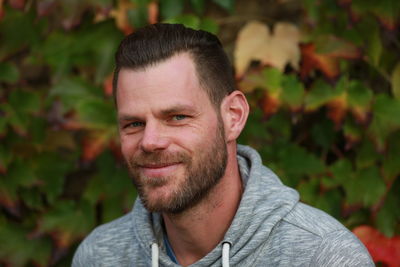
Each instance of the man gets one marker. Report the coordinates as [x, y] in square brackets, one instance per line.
[203, 199]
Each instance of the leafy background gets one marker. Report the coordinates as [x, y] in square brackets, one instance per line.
[322, 78]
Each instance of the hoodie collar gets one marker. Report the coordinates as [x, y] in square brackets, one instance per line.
[264, 203]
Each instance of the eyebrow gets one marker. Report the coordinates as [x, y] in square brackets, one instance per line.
[165, 112]
[176, 109]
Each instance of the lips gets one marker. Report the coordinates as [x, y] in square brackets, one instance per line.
[157, 165]
[159, 169]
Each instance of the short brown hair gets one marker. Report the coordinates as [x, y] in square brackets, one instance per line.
[158, 42]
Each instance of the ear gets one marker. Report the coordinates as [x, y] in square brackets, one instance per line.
[234, 113]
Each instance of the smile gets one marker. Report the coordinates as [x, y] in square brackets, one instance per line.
[159, 170]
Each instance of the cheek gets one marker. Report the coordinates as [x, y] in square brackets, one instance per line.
[128, 145]
[196, 139]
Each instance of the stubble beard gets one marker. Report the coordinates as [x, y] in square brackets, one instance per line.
[200, 175]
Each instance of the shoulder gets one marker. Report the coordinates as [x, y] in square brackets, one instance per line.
[106, 242]
[333, 244]
[312, 220]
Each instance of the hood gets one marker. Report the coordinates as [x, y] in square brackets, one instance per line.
[264, 203]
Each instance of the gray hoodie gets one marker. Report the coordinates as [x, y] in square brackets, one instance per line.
[271, 228]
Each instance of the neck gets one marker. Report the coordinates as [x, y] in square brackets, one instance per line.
[195, 232]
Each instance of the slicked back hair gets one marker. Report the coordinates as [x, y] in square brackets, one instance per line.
[158, 42]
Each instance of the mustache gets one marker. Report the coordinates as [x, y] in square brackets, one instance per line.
[160, 158]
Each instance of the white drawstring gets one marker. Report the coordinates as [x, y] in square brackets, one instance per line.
[225, 254]
[154, 255]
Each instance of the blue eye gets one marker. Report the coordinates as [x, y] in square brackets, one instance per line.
[135, 124]
[179, 117]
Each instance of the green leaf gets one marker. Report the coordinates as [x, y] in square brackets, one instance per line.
[25, 101]
[57, 52]
[37, 130]
[72, 91]
[391, 161]
[395, 80]
[8, 193]
[18, 249]
[388, 216]
[292, 91]
[330, 202]
[32, 198]
[352, 132]
[3, 123]
[278, 126]
[112, 209]
[229, 5]
[111, 181]
[5, 158]
[272, 80]
[311, 8]
[51, 169]
[18, 122]
[138, 16]
[329, 182]
[366, 187]
[297, 162]
[342, 171]
[386, 118]
[320, 94]
[188, 20]
[140, 2]
[198, 6]
[359, 95]
[374, 50]
[11, 28]
[8, 72]
[171, 8]
[209, 25]
[103, 50]
[96, 113]
[309, 191]
[366, 155]
[21, 174]
[323, 133]
[68, 221]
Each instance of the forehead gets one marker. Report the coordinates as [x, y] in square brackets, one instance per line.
[171, 81]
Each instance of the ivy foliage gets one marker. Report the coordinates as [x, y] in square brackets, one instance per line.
[325, 114]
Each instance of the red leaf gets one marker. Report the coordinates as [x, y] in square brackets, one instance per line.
[152, 12]
[120, 15]
[45, 7]
[115, 148]
[381, 248]
[311, 60]
[361, 115]
[17, 4]
[108, 85]
[2, 12]
[9, 202]
[323, 55]
[93, 145]
[63, 239]
[388, 22]
[270, 104]
[337, 109]
[71, 122]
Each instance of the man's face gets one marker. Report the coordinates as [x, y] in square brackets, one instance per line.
[171, 136]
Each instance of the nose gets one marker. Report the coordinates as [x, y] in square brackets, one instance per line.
[153, 138]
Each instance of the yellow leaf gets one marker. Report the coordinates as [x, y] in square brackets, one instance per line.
[251, 37]
[396, 81]
[255, 42]
[120, 15]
